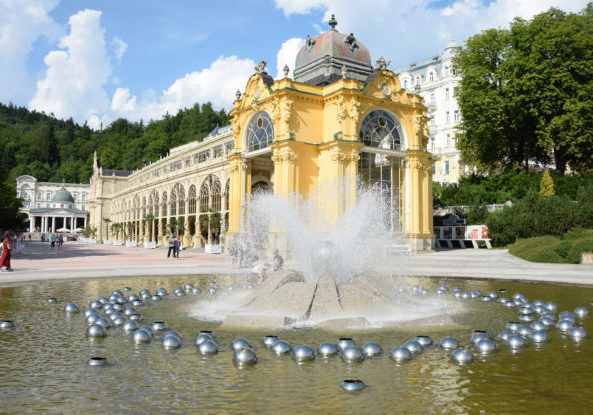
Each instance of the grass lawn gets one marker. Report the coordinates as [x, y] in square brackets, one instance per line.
[566, 249]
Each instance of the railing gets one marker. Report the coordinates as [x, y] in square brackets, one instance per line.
[452, 209]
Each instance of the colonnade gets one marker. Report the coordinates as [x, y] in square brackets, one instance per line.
[49, 223]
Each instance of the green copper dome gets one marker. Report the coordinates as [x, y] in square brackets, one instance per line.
[62, 196]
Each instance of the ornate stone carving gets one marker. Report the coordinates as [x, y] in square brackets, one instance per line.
[310, 43]
[382, 63]
[237, 95]
[355, 111]
[345, 157]
[260, 68]
[286, 70]
[421, 128]
[286, 114]
[341, 113]
[235, 128]
[350, 41]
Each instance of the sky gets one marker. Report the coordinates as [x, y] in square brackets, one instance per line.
[98, 60]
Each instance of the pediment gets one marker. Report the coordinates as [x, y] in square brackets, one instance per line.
[386, 85]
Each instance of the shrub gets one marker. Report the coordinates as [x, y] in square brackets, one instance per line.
[539, 249]
[576, 251]
[563, 247]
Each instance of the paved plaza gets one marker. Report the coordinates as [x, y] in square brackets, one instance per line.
[80, 260]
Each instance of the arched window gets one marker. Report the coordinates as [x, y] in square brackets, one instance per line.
[227, 193]
[216, 194]
[260, 132]
[379, 129]
[431, 77]
[164, 205]
[143, 207]
[156, 203]
[192, 199]
[150, 204]
[173, 203]
[180, 199]
[204, 196]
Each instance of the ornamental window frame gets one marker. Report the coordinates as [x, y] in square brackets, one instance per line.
[259, 132]
[380, 121]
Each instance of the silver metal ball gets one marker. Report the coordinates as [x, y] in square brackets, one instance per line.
[526, 311]
[95, 330]
[581, 312]
[137, 303]
[212, 291]
[509, 304]
[425, 341]
[196, 290]
[104, 300]
[97, 361]
[552, 307]
[135, 317]
[486, 346]
[92, 318]
[371, 349]
[487, 299]
[538, 326]
[114, 315]
[161, 291]
[269, 340]
[71, 308]
[148, 330]
[526, 318]
[525, 331]
[566, 315]
[539, 336]
[188, 287]
[103, 322]
[493, 294]
[52, 300]
[114, 298]
[239, 344]
[156, 297]
[327, 349]
[127, 289]
[539, 303]
[203, 336]
[96, 305]
[503, 300]
[133, 297]
[504, 335]
[145, 296]
[281, 347]
[303, 353]
[141, 336]
[516, 342]
[118, 293]
[548, 321]
[144, 291]
[400, 354]
[578, 333]
[6, 324]
[130, 325]
[564, 325]
[89, 312]
[513, 326]
[174, 334]
[180, 294]
[129, 311]
[207, 347]
[353, 385]
[244, 357]
[476, 293]
[118, 307]
[171, 342]
[449, 343]
[443, 288]
[344, 342]
[539, 309]
[466, 295]
[414, 347]
[159, 326]
[119, 321]
[352, 354]
[462, 356]
[478, 335]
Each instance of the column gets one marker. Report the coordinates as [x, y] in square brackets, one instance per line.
[43, 224]
[31, 223]
[84, 222]
[72, 224]
[53, 223]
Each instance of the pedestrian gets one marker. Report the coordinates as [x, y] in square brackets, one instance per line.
[5, 259]
[60, 241]
[260, 271]
[171, 243]
[177, 247]
[278, 260]
[52, 241]
[233, 251]
[18, 245]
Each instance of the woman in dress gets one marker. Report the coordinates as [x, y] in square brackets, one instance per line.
[5, 259]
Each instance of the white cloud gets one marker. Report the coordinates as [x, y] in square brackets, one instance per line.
[76, 74]
[22, 22]
[287, 56]
[299, 7]
[216, 84]
[119, 47]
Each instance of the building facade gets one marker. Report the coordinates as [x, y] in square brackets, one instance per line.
[436, 81]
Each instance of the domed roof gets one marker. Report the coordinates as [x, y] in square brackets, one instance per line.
[321, 58]
[62, 196]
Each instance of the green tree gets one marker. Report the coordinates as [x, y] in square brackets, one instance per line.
[546, 185]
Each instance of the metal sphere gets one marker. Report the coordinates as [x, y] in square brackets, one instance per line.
[303, 353]
[96, 305]
[344, 342]
[503, 300]
[373, 349]
[203, 336]
[130, 325]
[578, 333]
[548, 321]
[188, 287]
[127, 289]
[174, 334]
[486, 346]
[156, 297]
[526, 318]
[114, 298]
[159, 326]
[493, 294]
[145, 296]
[103, 322]
[281, 347]
[465, 295]
[552, 307]
[539, 336]
[129, 311]
[526, 311]
[171, 342]
[400, 354]
[353, 385]
[148, 330]
[119, 321]
[97, 361]
[196, 290]
[509, 304]
[449, 343]
[6, 324]
[117, 292]
[135, 317]
[92, 318]
[71, 308]
[462, 356]
[207, 347]
[425, 341]
[566, 315]
[118, 307]
[95, 330]
[516, 342]
[327, 349]
[89, 312]
[539, 309]
[352, 354]
[443, 288]
[141, 336]
[137, 303]
[457, 294]
[114, 315]
[478, 335]
[439, 292]
[513, 326]
[180, 294]
[269, 340]
[504, 335]
[104, 300]
[456, 289]
[161, 291]
[52, 300]
[525, 331]
[487, 299]
[244, 357]
[239, 344]
[581, 312]
[539, 303]
[538, 326]
[144, 291]
[564, 325]
[133, 297]
[212, 290]
[414, 347]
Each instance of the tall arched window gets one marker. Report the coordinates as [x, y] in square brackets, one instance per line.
[143, 213]
[178, 193]
[227, 192]
[216, 194]
[156, 203]
[260, 132]
[150, 204]
[204, 196]
[379, 129]
[192, 199]
[164, 205]
[173, 203]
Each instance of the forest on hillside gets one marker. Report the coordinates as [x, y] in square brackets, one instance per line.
[52, 150]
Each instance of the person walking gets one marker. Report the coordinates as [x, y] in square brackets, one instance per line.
[5, 259]
[60, 241]
[171, 243]
[177, 247]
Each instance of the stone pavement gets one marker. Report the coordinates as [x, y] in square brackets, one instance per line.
[79, 260]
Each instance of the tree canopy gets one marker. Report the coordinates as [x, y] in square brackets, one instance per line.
[526, 93]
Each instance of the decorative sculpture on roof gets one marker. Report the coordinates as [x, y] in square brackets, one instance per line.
[310, 43]
[382, 63]
[261, 67]
[286, 70]
[333, 22]
[350, 41]
[238, 94]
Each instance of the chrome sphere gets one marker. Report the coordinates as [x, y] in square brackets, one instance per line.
[538, 326]
[373, 349]
[137, 303]
[539, 309]
[207, 347]
[327, 349]
[113, 298]
[135, 317]
[425, 341]
[478, 335]
[566, 315]
[92, 318]
[516, 342]
[581, 312]
[156, 297]
[281, 347]
[414, 347]
[443, 288]
[144, 291]
[161, 291]
[129, 311]
[353, 385]
[118, 307]
[133, 297]
[457, 294]
[400, 354]
[578, 333]
[344, 342]
[244, 357]
[52, 300]
[526, 311]
[465, 295]
[89, 312]
[103, 300]
[114, 315]
[539, 303]
[548, 321]
[503, 300]
[564, 325]
[174, 334]
[517, 296]
[119, 321]
[117, 292]
[188, 287]
[487, 299]
[159, 326]
[439, 291]
[212, 290]
[486, 346]
[96, 305]
[509, 304]
[130, 325]
[141, 336]
[462, 356]
[127, 289]
[203, 336]
[539, 336]
[352, 354]
[552, 307]
[504, 335]
[6, 324]
[145, 296]
[95, 330]
[97, 361]
[493, 294]
[171, 342]
[269, 340]
[180, 294]
[239, 344]
[148, 330]
[525, 331]
[103, 322]
[526, 318]
[196, 290]
[71, 308]
[303, 353]
[449, 343]
[513, 326]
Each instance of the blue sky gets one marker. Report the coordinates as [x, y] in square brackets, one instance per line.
[96, 60]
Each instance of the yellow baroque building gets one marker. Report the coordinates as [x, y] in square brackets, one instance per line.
[341, 120]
